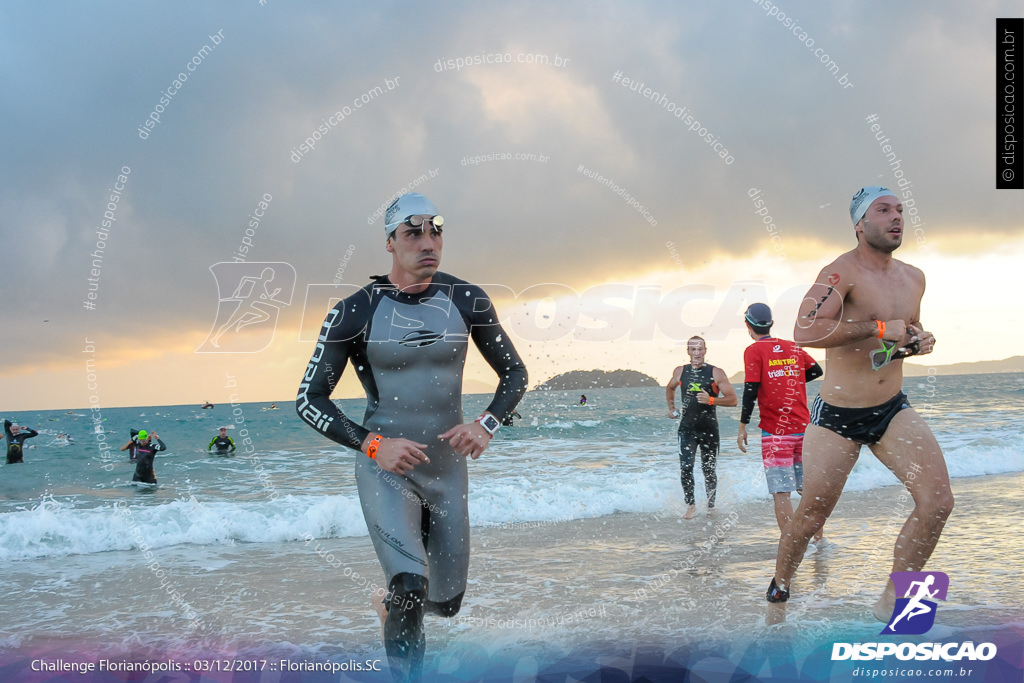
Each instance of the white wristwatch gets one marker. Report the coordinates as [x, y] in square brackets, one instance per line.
[489, 423]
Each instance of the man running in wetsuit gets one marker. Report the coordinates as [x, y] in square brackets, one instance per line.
[860, 302]
[406, 336]
[776, 373]
[223, 443]
[698, 425]
[145, 452]
[15, 438]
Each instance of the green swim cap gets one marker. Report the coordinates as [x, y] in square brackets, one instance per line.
[143, 434]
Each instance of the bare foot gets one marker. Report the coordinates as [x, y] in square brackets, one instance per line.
[775, 614]
[883, 608]
[377, 600]
[691, 512]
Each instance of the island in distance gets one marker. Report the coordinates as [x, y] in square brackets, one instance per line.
[597, 379]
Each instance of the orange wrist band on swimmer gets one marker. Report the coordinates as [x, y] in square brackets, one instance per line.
[371, 448]
[711, 401]
[881, 328]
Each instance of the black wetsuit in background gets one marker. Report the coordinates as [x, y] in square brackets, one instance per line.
[144, 455]
[698, 429]
[14, 442]
[223, 443]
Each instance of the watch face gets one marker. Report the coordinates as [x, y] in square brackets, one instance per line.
[490, 423]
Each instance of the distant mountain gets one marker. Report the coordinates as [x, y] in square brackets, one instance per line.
[917, 369]
[598, 379]
[978, 367]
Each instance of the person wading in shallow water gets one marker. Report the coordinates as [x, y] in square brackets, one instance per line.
[700, 386]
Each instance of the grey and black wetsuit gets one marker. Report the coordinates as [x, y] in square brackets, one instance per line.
[224, 445]
[408, 351]
[698, 429]
[144, 455]
[14, 442]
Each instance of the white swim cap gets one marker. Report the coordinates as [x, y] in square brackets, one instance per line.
[864, 198]
[409, 204]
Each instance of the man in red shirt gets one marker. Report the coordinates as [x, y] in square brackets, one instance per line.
[776, 376]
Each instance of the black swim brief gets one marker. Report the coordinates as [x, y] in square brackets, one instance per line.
[863, 425]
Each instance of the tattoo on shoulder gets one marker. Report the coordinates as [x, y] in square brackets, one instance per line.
[833, 278]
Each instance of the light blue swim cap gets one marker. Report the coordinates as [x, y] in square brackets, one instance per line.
[409, 204]
[864, 198]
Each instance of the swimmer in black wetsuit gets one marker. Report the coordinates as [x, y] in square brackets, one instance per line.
[698, 425]
[15, 438]
[407, 335]
[223, 443]
[145, 452]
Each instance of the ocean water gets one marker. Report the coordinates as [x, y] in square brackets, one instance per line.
[575, 506]
[561, 462]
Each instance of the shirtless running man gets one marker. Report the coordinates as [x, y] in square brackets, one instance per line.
[866, 301]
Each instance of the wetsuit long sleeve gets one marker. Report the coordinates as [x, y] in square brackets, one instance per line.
[496, 348]
[342, 336]
[750, 390]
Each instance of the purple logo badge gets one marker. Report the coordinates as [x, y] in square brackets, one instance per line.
[914, 612]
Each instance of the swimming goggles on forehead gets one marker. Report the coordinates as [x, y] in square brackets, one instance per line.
[418, 221]
[890, 352]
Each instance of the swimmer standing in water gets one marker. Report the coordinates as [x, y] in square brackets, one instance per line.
[407, 335]
[16, 436]
[223, 442]
[146, 447]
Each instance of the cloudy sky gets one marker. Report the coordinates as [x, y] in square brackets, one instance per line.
[586, 273]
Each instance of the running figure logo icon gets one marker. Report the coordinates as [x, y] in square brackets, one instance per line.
[914, 613]
[250, 296]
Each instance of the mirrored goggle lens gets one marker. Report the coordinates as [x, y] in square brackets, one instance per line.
[417, 221]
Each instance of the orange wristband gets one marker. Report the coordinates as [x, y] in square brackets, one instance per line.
[711, 401]
[881, 328]
[371, 448]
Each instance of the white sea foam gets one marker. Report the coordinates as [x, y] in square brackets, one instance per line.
[545, 492]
